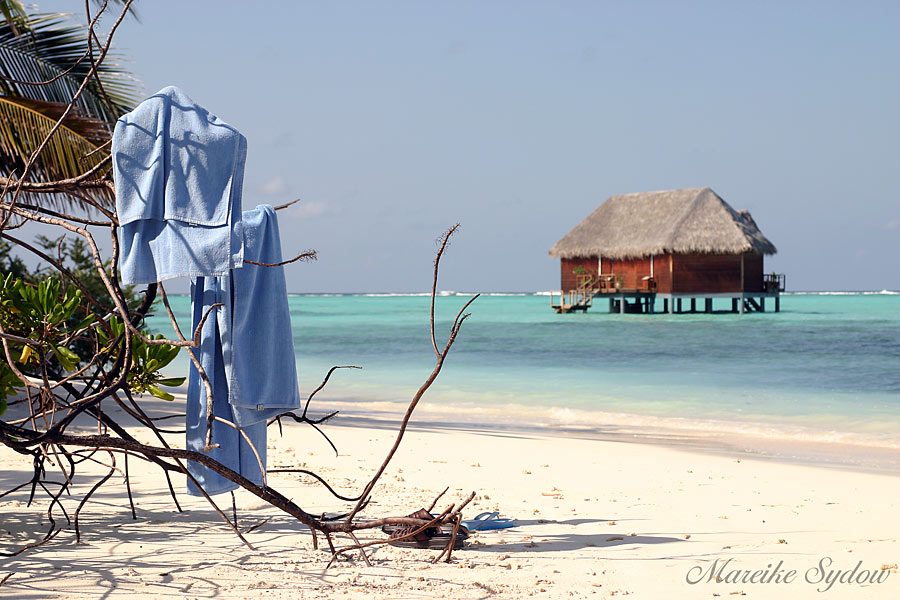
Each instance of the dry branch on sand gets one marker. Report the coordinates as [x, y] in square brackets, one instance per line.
[58, 384]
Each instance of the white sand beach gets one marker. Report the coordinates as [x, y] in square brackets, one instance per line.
[595, 518]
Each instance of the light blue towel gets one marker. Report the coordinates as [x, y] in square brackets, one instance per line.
[257, 341]
[233, 451]
[248, 353]
[178, 172]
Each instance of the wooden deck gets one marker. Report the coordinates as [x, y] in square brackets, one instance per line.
[571, 301]
[612, 284]
[643, 298]
[644, 302]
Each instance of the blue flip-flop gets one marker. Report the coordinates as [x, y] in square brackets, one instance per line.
[488, 520]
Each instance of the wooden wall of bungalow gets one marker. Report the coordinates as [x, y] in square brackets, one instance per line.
[674, 273]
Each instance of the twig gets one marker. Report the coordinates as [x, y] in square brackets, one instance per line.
[305, 256]
[437, 261]
[421, 391]
[88, 497]
[201, 372]
[456, 517]
[287, 205]
[435, 501]
[128, 488]
[252, 527]
[324, 382]
[419, 524]
[243, 434]
[320, 479]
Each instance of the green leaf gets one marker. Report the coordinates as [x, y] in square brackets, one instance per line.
[171, 381]
[166, 355]
[155, 391]
[67, 359]
[88, 320]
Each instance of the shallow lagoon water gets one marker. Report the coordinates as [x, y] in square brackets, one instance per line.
[828, 362]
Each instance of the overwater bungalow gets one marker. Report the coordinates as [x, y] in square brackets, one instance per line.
[673, 246]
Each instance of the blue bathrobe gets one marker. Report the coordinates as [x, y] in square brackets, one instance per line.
[178, 173]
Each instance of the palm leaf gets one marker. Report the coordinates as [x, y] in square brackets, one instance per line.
[43, 47]
[15, 14]
[94, 130]
[53, 44]
[67, 154]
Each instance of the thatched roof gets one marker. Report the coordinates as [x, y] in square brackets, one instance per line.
[696, 220]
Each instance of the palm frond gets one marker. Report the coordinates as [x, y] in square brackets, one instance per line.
[66, 155]
[15, 14]
[96, 131]
[52, 48]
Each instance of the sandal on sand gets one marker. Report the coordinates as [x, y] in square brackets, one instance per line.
[437, 541]
[434, 538]
[488, 520]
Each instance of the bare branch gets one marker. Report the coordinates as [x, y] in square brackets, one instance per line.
[437, 261]
[305, 256]
[287, 205]
[421, 391]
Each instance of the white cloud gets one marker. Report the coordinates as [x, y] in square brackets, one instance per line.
[275, 186]
[310, 209]
[892, 224]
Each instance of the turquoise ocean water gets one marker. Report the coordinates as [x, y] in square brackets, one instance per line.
[826, 362]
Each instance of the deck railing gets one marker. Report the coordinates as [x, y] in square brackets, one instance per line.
[566, 301]
[594, 281]
[610, 283]
[773, 282]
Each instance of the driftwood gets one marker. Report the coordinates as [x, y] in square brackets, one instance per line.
[55, 397]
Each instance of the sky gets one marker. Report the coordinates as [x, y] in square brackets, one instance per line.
[394, 120]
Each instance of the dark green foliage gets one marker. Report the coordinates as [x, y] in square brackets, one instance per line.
[147, 360]
[65, 335]
[38, 313]
[75, 256]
